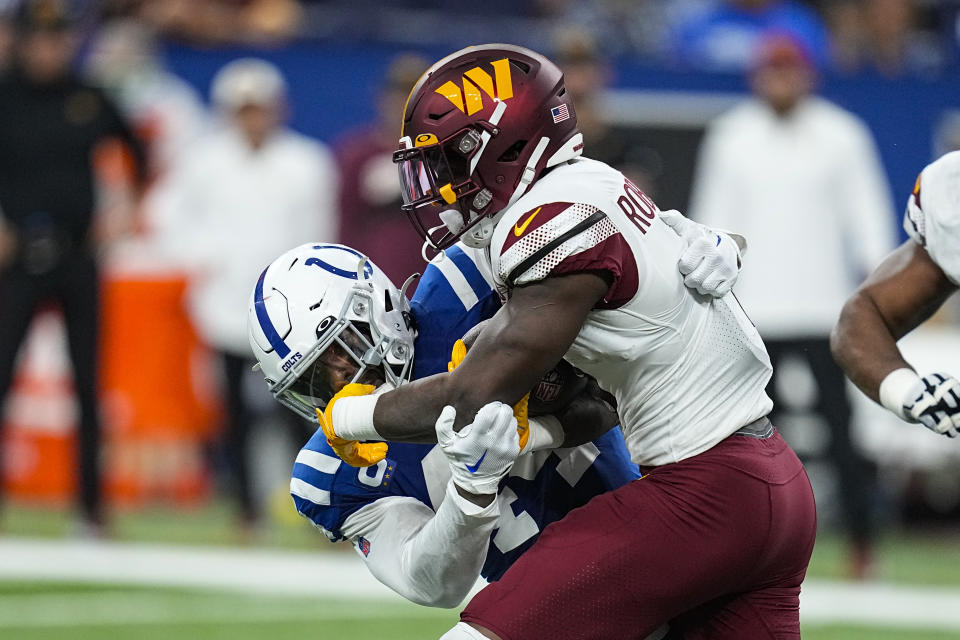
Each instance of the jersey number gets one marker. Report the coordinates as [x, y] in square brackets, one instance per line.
[637, 206]
[517, 528]
[363, 474]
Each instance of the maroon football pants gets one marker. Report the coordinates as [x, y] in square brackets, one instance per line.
[718, 544]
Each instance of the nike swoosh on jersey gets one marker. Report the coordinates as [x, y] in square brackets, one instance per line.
[473, 469]
[518, 229]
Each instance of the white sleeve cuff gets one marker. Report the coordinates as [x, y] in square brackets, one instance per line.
[894, 389]
[468, 508]
[353, 418]
[546, 432]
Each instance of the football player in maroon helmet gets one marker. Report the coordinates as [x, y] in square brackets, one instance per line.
[716, 538]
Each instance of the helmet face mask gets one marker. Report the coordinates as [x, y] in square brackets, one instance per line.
[435, 176]
[347, 351]
[479, 128]
[359, 331]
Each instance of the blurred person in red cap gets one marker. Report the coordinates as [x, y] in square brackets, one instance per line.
[243, 195]
[801, 178]
[52, 122]
[369, 192]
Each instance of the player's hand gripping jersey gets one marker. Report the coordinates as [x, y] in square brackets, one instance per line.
[687, 370]
[411, 484]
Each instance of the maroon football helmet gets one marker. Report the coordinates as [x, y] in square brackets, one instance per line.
[479, 127]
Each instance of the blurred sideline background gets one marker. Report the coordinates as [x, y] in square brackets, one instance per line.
[650, 77]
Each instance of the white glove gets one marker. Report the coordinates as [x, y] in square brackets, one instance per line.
[934, 402]
[711, 261]
[482, 452]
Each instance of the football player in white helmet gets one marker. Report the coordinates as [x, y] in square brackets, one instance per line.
[326, 318]
[906, 289]
[490, 153]
[427, 519]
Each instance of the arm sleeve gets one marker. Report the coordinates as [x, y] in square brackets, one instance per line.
[433, 559]
[570, 238]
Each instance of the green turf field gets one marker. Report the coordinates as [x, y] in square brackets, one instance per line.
[35, 611]
[929, 558]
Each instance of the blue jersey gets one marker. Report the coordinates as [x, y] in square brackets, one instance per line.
[541, 488]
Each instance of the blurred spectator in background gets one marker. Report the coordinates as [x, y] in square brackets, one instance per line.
[724, 37]
[124, 59]
[371, 220]
[52, 122]
[801, 178]
[215, 22]
[883, 36]
[167, 113]
[586, 76]
[620, 27]
[242, 196]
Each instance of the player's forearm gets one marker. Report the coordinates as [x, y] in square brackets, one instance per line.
[409, 413]
[864, 346]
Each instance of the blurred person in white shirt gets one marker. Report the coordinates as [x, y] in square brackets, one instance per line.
[801, 178]
[242, 196]
[124, 59]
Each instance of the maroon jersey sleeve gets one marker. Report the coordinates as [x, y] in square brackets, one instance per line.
[562, 238]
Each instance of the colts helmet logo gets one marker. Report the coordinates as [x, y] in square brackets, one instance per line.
[469, 100]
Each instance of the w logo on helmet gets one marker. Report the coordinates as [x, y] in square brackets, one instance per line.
[469, 100]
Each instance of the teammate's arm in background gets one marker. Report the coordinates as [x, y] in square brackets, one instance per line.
[431, 558]
[906, 289]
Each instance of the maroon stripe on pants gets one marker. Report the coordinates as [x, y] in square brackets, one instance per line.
[718, 543]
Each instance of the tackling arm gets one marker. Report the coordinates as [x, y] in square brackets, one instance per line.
[527, 337]
[906, 289]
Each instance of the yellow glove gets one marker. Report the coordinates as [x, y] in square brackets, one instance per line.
[519, 410]
[354, 453]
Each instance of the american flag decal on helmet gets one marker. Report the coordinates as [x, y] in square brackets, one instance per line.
[560, 113]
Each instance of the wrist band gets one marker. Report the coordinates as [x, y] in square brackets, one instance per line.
[895, 387]
[546, 432]
[353, 418]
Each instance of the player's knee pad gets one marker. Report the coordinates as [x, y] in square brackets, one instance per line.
[463, 631]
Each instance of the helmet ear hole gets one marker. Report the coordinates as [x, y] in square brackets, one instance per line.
[387, 302]
[324, 325]
[511, 154]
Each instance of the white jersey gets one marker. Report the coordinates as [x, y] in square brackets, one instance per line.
[687, 370]
[933, 213]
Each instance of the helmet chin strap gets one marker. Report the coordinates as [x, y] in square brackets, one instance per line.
[429, 245]
[479, 235]
[529, 171]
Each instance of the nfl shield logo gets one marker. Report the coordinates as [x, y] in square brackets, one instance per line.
[364, 545]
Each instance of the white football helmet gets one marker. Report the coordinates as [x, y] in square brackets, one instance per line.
[323, 315]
